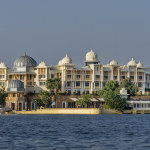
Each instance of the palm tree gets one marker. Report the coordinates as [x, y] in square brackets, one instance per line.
[50, 84]
[57, 85]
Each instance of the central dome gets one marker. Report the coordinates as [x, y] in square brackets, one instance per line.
[91, 56]
[25, 61]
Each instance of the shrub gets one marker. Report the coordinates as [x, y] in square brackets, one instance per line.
[61, 93]
[106, 106]
[94, 93]
[76, 93]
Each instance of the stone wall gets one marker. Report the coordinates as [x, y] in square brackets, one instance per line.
[69, 111]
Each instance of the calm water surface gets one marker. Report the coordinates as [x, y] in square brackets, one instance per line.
[19, 132]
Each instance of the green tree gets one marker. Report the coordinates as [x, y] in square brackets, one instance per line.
[3, 96]
[45, 97]
[80, 102]
[57, 85]
[112, 97]
[129, 86]
[50, 84]
[38, 102]
[83, 100]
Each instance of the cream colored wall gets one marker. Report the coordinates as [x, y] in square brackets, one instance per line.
[83, 72]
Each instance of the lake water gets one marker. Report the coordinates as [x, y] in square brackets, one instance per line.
[19, 132]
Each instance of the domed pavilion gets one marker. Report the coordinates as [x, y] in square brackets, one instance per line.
[91, 58]
[23, 70]
[16, 99]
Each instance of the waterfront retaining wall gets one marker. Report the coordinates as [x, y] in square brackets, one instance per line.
[69, 111]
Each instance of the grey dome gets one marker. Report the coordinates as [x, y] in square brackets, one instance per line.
[16, 84]
[25, 61]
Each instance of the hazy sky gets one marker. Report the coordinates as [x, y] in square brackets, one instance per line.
[49, 29]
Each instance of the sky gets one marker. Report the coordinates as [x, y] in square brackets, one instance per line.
[47, 30]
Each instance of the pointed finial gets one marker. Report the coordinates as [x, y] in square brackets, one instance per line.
[66, 55]
[24, 54]
[91, 50]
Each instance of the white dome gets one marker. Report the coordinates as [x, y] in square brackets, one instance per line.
[60, 62]
[65, 60]
[132, 62]
[91, 56]
[113, 62]
[139, 65]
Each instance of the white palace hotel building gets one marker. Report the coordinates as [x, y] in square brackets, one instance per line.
[91, 77]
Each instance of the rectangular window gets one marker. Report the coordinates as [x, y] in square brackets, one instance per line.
[115, 77]
[86, 83]
[34, 83]
[42, 76]
[103, 84]
[87, 76]
[68, 76]
[97, 76]
[2, 83]
[78, 76]
[42, 83]
[20, 77]
[77, 83]
[69, 91]
[131, 77]
[2, 76]
[52, 76]
[97, 69]
[34, 76]
[140, 77]
[105, 77]
[87, 92]
[68, 83]
[78, 92]
[123, 77]
[96, 84]
[139, 84]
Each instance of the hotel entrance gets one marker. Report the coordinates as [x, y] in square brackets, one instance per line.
[20, 106]
[13, 105]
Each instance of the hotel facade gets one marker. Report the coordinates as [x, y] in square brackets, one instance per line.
[92, 77]
[28, 76]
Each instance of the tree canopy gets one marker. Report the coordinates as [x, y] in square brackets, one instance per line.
[129, 86]
[83, 100]
[38, 102]
[112, 97]
[45, 97]
[3, 95]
